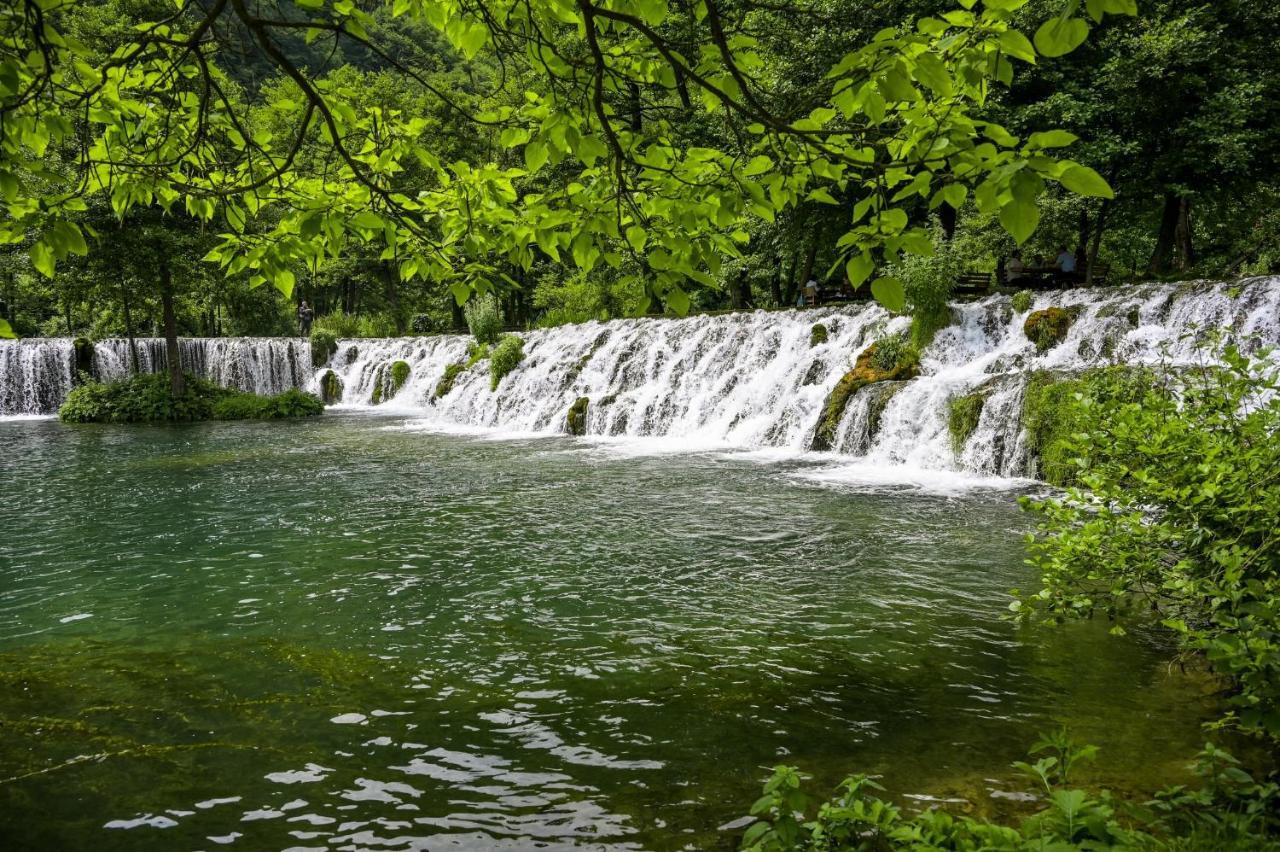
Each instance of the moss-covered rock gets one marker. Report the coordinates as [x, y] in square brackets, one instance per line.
[1022, 300]
[1047, 328]
[451, 373]
[576, 419]
[323, 345]
[399, 375]
[508, 353]
[866, 371]
[818, 335]
[330, 387]
[963, 414]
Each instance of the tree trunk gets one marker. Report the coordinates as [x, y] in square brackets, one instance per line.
[1099, 227]
[128, 329]
[391, 275]
[1082, 236]
[789, 293]
[775, 283]
[172, 355]
[1174, 248]
[947, 216]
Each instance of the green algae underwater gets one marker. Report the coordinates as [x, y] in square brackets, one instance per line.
[352, 633]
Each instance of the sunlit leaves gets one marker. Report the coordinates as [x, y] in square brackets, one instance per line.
[1060, 36]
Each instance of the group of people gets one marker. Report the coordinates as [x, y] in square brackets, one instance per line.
[1063, 268]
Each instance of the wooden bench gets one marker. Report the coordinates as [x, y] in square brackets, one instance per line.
[972, 284]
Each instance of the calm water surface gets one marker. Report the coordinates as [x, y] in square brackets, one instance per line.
[346, 634]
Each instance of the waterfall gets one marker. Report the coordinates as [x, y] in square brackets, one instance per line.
[755, 380]
[36, 374]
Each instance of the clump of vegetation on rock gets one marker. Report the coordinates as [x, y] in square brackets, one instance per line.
[484, 318]
[147, 399]
[577, 417]
[963, 414]
[867, 370]
[330, 387]
[1047, 328]
[1022, 301]
[399, 375]
[503, 359]
[451, 373]
[818, 335]
[324, 344]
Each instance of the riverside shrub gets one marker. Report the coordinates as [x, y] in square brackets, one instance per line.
[1177, 513]
[146, 399]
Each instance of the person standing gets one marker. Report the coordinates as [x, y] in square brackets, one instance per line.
[305, 315]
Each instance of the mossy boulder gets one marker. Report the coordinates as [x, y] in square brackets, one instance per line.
[399, 375]
[1047, 328]
[451, 373]
[330, 387]
[818, 335]
[577, 417]
[963, 414]
[866, 371]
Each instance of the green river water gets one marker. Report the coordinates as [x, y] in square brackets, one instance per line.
[345, 634]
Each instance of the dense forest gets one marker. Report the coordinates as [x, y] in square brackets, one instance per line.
[1174, 106]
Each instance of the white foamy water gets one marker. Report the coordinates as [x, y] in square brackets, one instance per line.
[742, 381]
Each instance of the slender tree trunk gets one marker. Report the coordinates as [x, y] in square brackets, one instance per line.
[1100, 226]
[1082, 235]
[392, 278]
[775, 283]
[173, 356]
[810, 256]
[947, 216]
[789, 292]
[128, 329]
[1174, 249]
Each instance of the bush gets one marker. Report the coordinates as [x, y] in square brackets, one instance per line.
[324, 344]
[1022, 301]
[476, 352]
[146, 399]
[336, 325]
[1177, 513]
[1230, 811]
[505, 356]
[484, 318]
[928, 282]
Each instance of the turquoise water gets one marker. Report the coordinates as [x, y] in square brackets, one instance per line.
[348, 634]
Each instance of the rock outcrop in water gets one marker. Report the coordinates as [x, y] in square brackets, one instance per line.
[752, 380]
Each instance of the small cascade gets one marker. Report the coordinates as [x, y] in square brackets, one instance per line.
[37, 374]
[761, 379]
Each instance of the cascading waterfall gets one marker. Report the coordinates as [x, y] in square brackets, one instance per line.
[754, 380]
[36, 374]
[748, 380]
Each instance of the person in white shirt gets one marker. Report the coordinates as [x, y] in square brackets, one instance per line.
[1066, 261]
[1014, 269]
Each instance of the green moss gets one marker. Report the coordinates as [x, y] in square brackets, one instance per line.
[476, 352]
[330, 387]
[963, 414]
[1047, 328]
[1022, 301]
[508, 353]
[399, 375]
[323, 345]
[451, 373]
[866, 371]
[577, 417]
[818, 335]
[925, 325]
[1052, 412]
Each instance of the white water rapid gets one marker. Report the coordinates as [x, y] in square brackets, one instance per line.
[742, 380]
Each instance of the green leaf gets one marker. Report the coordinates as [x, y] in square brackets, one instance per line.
[1060, 36]
[1018, 46]
[535, 154]
[859, 268]
[1051, 139]
[6, 331]
[758, 166]
[1020, 218]
[889, 292]
[678, 301]
[42, 258]
[637, 237]
[1083, 180]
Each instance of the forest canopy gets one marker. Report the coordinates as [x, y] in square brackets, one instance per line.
[592, 159]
